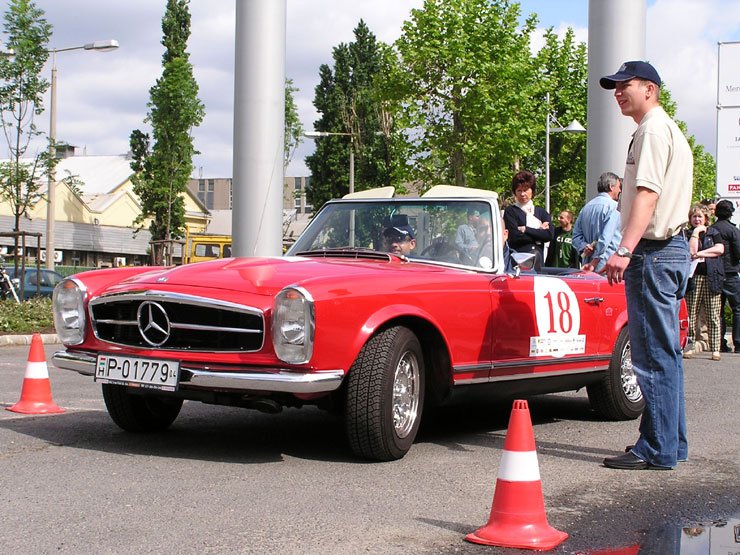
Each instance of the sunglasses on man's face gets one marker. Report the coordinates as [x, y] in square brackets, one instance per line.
[390, 239]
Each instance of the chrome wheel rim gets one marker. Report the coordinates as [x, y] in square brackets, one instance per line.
[629, 379]
[405, 394]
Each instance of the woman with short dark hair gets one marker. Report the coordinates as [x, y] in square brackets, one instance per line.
[529, 226]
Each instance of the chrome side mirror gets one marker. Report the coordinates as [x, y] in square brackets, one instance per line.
[524, 261]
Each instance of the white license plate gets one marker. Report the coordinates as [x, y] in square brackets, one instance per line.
[137, 372]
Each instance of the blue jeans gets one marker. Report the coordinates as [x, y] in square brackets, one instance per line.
[655, 282]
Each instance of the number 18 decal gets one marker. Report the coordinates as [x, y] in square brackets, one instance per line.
[558, 319]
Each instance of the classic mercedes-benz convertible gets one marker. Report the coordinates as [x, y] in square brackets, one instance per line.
[382, 308]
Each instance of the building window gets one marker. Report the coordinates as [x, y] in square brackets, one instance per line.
[208, 196]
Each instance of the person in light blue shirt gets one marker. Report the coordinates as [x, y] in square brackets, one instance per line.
[596, 234]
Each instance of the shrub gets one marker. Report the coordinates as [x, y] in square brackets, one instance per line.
[33, 315]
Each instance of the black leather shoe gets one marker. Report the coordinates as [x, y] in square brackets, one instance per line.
[630, 461]
[630, 447]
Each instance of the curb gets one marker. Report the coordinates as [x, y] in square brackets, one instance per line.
[46, 338]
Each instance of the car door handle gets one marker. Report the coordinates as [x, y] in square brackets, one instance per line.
[594, 300]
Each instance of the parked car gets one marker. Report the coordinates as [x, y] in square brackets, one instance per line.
[342, 323]
[35, 283]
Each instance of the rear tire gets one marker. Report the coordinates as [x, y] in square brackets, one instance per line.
[385, 396]
[140, 413]
[617, 396]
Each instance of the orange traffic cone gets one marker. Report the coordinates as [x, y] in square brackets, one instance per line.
[518, 512]
[36, 391]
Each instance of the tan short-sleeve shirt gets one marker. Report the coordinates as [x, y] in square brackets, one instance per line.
[660, 159]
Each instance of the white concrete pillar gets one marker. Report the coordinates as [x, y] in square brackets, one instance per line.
[616, 34]
[259, 123]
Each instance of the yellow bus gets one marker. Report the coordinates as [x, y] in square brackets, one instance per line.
[199, 248]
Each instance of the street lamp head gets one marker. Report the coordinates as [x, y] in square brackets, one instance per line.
[102, 45]
[319, 134]
[574, 127]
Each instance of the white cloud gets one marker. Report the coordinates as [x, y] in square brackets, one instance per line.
[103, 97]
[682, 44]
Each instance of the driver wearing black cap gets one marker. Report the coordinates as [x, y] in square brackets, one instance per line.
[399, 239]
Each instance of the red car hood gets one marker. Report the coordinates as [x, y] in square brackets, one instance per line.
[267, 276]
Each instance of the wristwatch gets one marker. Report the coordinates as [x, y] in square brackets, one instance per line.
[624, 252]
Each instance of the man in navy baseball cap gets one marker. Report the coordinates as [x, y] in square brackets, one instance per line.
[399, 239]
[631, 70]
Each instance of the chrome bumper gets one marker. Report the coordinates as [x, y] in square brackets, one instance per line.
[268, 379]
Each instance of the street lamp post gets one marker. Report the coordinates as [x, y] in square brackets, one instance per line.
[100, 46]
[573, 127]
[320, 134]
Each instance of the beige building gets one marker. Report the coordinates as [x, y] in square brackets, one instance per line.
[96, 207]
[216, 194]
[94, 213]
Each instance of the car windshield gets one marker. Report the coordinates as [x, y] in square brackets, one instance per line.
[452, 231]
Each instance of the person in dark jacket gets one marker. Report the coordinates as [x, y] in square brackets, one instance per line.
[529, 226]
[704, 292]
[730, 235]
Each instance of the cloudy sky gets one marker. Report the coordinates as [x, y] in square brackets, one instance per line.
[102, 97]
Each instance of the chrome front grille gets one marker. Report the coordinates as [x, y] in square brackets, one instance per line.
[152, 319]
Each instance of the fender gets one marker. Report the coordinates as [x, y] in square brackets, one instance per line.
[393, 312]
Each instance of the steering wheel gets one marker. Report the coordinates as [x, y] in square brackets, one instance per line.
[444, 251]
[486, 240]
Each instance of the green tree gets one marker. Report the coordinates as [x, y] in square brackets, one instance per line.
[163, 163]
[705, 167]
[562, 72]
[465, 91]
[346, 98]
[21, 90]
[293, 128]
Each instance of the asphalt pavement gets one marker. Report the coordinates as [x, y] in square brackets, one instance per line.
[229, 480]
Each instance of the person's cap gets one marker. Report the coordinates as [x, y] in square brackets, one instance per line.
[473, 212]
[399, 232]
[631, 70]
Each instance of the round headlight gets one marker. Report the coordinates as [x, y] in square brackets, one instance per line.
[68, 302]
[293, 325]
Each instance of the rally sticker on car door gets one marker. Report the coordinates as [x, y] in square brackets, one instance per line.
[558, 319]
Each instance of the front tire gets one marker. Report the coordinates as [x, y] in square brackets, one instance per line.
[617, 396]
[140, 413]
[385, 395]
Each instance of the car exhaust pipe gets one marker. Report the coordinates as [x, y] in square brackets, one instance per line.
[265, 405]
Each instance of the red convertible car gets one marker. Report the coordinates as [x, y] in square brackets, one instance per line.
[382, 308]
